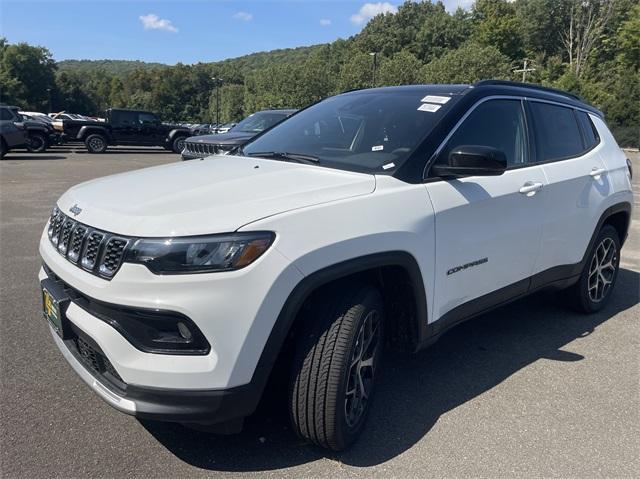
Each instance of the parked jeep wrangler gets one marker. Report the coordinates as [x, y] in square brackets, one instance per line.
[126, 127]
[382, 216]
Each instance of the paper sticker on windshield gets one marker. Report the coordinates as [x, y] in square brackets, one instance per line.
[436, 99]
[429, 107]
[388, 165]
[377, 148]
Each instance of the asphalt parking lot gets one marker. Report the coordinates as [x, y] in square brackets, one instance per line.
[530, 390]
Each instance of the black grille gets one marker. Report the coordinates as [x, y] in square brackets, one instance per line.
[75, 246]
[96, 251]
[91, 250]
[112, 258]
[65, 234]
[95, 360]
[201, 148]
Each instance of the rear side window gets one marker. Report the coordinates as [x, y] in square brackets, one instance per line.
[496, 123]
[557, 132]
[589, 131]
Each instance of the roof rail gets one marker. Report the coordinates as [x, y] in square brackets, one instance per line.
[529, 85]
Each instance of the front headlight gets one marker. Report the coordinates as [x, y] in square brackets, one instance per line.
[199, 254]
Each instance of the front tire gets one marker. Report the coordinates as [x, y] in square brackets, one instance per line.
[335, 363]
[96, 143]
[37, 143]
[593, 290]
[178, 144]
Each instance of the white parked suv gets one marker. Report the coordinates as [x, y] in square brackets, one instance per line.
[382, 216]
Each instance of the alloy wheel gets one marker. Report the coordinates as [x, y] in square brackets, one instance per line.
[602, 269]
[362, 368]
[96, 144]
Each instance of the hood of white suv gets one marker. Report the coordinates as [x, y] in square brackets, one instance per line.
[216, 195]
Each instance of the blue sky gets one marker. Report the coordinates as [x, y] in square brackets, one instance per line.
[188, 31]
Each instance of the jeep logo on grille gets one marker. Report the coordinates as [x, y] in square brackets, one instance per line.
[76, 210]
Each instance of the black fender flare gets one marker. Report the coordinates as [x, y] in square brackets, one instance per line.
[177, 132]
[37, 129]
[312, 282]
[91, 129]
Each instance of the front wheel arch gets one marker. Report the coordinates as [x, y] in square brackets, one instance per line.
[367, 268]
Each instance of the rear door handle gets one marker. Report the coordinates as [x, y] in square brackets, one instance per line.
[596, 172]
[530, 188]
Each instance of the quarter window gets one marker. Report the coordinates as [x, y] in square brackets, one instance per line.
[589, 131]
[499, 124]
[557, 132]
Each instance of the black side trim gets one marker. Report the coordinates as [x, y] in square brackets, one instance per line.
[194, 406]
[324, 276]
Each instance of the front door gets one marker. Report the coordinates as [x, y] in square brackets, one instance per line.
[488, 229]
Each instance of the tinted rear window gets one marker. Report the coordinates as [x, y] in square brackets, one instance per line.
[557, 132]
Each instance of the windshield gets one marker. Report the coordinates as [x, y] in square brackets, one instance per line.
[259, 122]
[370, 130]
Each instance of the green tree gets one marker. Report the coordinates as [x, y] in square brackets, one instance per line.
[26, 72]
[403, 68]
[497, 25]
[231, 103]
[469, 63]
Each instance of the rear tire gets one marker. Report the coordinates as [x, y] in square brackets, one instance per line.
[178, 144]
[3, 149]
[96, 143]
[37, 143]
[337, 355]
[593, 290]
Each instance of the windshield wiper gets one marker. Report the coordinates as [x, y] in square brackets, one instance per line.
[283, 155]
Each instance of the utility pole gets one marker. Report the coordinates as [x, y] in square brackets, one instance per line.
[375, 65]
[525, 70]
[49, 96]
[218, 82]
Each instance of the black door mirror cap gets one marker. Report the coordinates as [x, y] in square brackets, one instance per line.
[472, 160]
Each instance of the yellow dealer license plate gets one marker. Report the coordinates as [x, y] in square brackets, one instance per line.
[51, 310]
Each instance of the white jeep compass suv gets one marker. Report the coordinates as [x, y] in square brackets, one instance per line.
[382, 216]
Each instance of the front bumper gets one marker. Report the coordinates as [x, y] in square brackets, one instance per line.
[197, 406]
[188, 155]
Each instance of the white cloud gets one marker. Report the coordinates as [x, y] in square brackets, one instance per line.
[452, 5]
[325, 22]
[244, 16]
[370, 10]
[154, 22]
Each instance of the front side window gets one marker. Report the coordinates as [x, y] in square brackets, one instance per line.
[370, 131]
[557, 132]
[497, 124]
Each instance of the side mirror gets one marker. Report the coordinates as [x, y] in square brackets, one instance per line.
[472, 160]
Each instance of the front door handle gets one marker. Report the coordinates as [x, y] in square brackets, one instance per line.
[530, 188]
[596, 172]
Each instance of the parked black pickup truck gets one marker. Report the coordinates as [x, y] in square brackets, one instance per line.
[126, 127]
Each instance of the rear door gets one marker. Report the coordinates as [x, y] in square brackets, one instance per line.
[488, 229]
[150, 130]
[567, 147]
[124, 125]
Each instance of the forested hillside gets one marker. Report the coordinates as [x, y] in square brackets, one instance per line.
[111, 67]
[589, 47]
